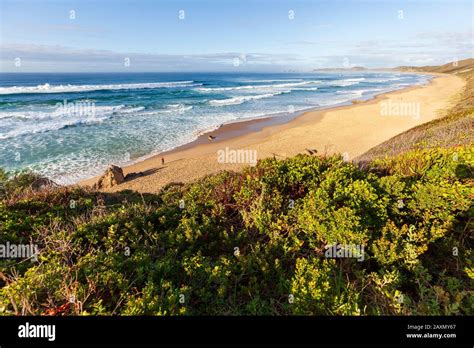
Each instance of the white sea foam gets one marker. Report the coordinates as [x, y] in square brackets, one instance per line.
[242, 99]
[132, 110]
[47, 88]
[307, 89]
[57, 112]
[360, 92]
[270, 81]
[173, 108]
[355, 79]
[20, 123]
[156, 128]
[273, 86]
[381, 80]
[33, 128]
[343, 83]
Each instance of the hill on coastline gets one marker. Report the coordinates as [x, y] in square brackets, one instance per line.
[456, 67]
[455, 128]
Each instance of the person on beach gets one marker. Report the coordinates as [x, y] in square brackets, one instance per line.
[162, 161]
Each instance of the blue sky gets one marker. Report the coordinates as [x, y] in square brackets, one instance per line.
[230, 35]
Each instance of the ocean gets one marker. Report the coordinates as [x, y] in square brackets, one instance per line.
[71, 126]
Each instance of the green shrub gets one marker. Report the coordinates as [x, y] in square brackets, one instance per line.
[242, 243]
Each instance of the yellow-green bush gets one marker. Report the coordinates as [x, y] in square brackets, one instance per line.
[252, 242]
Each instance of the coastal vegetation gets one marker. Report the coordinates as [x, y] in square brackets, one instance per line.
[254, 242]
[251, 242]
[455, 128]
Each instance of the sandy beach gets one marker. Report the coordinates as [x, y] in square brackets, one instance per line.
[351, 129]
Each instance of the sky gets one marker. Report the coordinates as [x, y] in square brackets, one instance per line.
[230, 35]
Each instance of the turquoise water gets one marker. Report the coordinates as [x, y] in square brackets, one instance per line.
[72, 126]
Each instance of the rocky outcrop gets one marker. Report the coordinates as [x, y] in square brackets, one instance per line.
[41, 184]
[113, 176]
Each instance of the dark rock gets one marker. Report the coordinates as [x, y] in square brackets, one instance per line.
[42, 183]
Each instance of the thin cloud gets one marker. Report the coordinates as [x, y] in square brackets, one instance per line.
[33, 55]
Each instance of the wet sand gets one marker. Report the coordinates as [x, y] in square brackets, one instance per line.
[350, 129]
